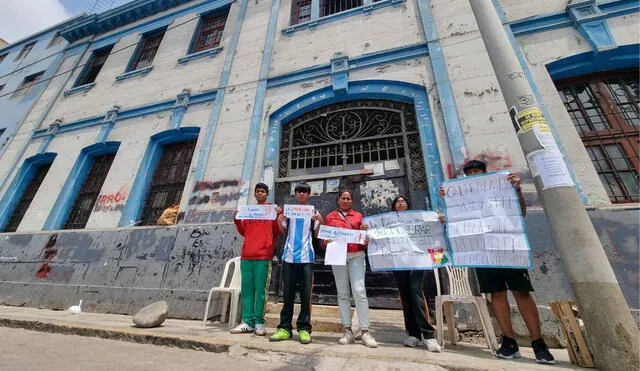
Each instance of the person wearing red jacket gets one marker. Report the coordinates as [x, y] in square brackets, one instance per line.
[352, 274]
[255, 263]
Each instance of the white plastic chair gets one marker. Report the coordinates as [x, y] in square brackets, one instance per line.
[233, 289]
[460, 292]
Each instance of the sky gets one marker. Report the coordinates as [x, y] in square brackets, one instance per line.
[21, 18]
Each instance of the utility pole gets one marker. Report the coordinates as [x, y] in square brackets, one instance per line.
[611, 329]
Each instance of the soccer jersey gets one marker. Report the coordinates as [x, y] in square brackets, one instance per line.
[299, 245]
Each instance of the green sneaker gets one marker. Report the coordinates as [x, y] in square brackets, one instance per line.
[280, 335]
[304, 336]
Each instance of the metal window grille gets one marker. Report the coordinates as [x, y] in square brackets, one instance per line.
[168, 180]
[26, 198]
[92, 70]
[210, 30]
[328, 7]
[352, 133]
[27, 84]
[147, 51]
[301, 11]
[604, 111]
[25, 51]
[89, 192]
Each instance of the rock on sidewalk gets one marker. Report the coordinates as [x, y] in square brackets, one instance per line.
[153, 315]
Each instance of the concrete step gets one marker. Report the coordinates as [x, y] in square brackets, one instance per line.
[320, 324]
[316, 310]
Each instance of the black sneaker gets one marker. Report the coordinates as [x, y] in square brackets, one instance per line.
[509, 349]
[542, 352]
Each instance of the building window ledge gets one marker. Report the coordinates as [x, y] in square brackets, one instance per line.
[138, 72]
[78, 89]
[201, 54]
[364, 9]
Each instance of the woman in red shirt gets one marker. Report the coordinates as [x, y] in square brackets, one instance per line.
[350, 277]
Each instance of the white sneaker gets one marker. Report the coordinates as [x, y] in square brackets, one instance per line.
[433, 346]
[347, 338]
[368, 340]
[242, 328]
[411, 342]
[260, 330]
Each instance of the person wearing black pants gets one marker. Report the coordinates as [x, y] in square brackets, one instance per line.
[292, 275]
[414, 304]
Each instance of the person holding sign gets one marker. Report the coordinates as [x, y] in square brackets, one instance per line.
[255, 263]
[496, 281]
[349, 276]
[414, 304]
[297, 265]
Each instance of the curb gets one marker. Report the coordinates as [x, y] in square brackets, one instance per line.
[132, 335]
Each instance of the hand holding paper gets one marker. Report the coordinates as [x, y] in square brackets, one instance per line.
[336, 253]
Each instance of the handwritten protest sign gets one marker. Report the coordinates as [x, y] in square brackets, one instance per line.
[336, 253]
[262, 212]
[484, 222]
[405, 241]
[298, 211]
[341, 234]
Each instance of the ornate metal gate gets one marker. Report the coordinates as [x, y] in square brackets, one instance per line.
[338, 142]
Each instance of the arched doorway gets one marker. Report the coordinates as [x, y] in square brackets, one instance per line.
[371, 146]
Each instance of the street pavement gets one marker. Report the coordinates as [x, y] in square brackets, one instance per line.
[213, 347]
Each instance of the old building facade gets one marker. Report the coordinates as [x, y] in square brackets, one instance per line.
[193, 102]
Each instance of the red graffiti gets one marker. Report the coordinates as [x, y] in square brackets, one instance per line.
[50, 252]
[112, 201]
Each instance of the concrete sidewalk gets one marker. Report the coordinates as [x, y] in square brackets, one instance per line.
[216, 338]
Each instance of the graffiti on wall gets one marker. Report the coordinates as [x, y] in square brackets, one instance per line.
[210, 196]
[49, 253]
[112, 201]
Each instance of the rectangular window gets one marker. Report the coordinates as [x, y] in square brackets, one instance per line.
[93, 67]
[57, 39]
[146, 50]
[27, 84]
[210, 28]
[25, 51]
[89, 192]
[328, 7]
[168, 180]
[301, 11]
[26, 198]
[604, 110]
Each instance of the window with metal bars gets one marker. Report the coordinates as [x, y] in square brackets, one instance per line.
[168, 180]
[91, 71]
[25, 200]
[301, 11]
[146, 50]
[328, 7]
[209, 31]
[27, 84]
[25, 51]
[605, 111]
[89, 192]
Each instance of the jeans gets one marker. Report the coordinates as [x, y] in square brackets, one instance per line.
[352, 275]
[292, 275]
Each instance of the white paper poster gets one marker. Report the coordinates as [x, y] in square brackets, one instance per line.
[261, 212]
[552, 169]
[406, 241]
[333, 185]
[336, 253]
[317, 187]
[484, 222]
[298, 211]
[342, 234]
[377, 167]
[391, 165]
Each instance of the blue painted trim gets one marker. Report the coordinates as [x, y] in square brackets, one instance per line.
[19, 184]
[546, 22]
[205, 149]
[367, 89]
[45, 144]
[364, 9]
[315, 9]
[539, 98]
[76, 49]
[452, 123]
[67, 197]
[356, 63]
[78, 89]
[129, 114]
[205, 53]
[138, 194]
[138, 72]
[622, 57]
[261, 91]
[103, 135]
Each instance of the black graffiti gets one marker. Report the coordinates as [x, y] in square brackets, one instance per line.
[208, 185]
[195, 200]
[197, 235]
